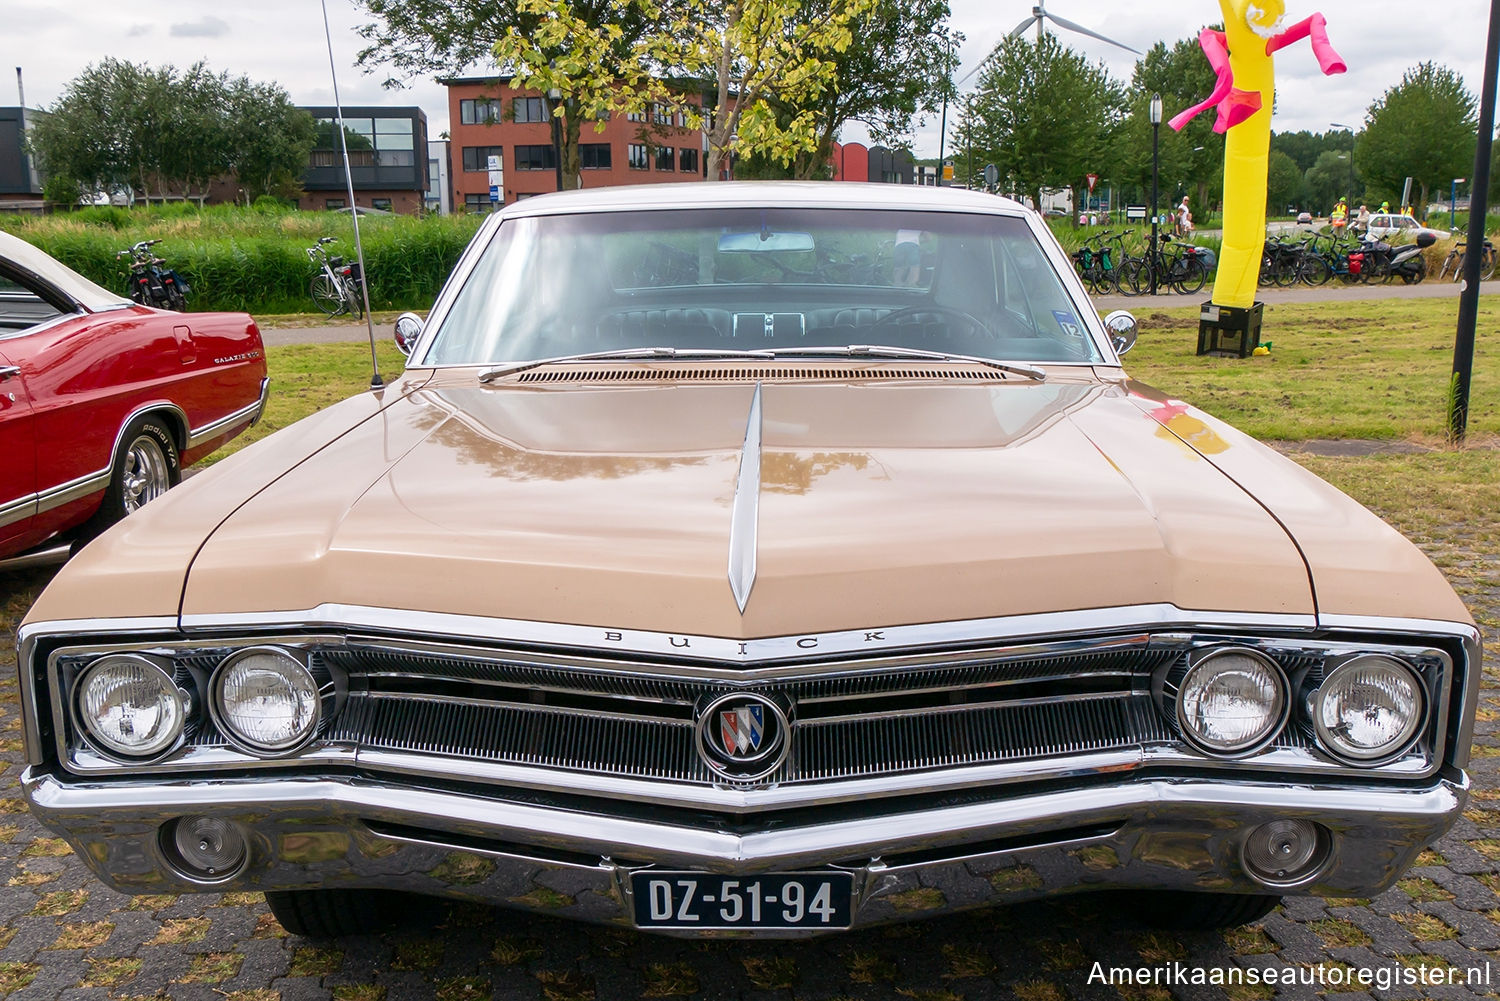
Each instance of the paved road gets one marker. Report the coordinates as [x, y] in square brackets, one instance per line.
[276, 336]
[65, 937]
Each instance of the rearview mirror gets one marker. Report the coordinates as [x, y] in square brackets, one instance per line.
[1123, 330]
[766, 242]
[408, 329]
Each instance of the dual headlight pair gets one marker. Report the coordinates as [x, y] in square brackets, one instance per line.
[1367, 709]
[263, 699]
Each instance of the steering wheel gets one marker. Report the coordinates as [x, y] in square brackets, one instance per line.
[901, 314]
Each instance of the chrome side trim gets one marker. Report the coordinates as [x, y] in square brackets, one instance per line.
[252, 413]
[73, 490]
[745, 519]
[873, 640]
[17, 510]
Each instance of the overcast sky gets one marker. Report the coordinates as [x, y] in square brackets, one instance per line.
[282, 40]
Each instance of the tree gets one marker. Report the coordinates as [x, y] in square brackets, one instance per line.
[900, 71]
[1423, 128]
[1192, 158]
[1284, 183]
[1328, 180]
[160, 132]
[270, 139]
[586, 49]
[1042, 114]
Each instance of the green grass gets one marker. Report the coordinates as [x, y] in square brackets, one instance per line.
[1376, 369]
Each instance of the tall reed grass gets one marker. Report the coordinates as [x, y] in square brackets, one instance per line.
[255, 259]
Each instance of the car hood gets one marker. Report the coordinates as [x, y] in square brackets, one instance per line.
[881, 501]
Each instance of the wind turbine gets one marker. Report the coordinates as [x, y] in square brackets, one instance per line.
[1040, 16]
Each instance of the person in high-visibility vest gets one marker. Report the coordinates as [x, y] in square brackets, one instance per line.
[1340, 217]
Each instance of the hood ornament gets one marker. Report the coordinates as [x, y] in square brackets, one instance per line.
[745, 515]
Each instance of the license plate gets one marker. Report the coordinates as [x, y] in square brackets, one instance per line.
[703, 900]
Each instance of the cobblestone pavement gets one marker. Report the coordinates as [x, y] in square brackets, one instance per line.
[65, 936]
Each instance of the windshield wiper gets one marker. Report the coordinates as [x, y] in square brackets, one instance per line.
[886, 351]
[624, 354]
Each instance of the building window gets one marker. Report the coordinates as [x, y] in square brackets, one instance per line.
[661, 114]
[371, 142]
[383, 204]
[477, 203]
[535, 158]
[666, 158]
[478, 112]
[477, 158]
[636, 116]
[687, 161]
[594, 156]
[638, 156]
[333, 204]
[530, 109]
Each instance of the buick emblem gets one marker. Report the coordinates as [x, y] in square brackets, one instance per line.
[742, 737]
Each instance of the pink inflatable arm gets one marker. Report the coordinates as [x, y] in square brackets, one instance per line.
[1216, 47]
[1316, 28]
[1234, 105]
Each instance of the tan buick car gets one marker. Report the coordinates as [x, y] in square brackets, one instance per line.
[753, 559]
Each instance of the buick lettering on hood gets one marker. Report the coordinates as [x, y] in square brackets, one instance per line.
[757, 560]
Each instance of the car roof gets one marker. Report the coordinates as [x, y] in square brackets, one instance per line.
[761, 194]
[29, 258]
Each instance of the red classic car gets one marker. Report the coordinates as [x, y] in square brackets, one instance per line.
[103, 401]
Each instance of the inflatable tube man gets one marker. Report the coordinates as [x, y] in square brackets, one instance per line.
[1243, 56]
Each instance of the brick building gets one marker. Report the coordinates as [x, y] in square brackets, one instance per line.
[488, 117]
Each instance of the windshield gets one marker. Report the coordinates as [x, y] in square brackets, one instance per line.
[761, 279]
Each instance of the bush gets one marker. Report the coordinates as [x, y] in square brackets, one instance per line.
[62, 191]
[255, 259]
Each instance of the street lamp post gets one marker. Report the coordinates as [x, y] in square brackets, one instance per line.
[555, 97]
[1453, 203]
[1151, 253]
[1339, 125]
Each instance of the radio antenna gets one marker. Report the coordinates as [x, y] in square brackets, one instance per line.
[359, 251]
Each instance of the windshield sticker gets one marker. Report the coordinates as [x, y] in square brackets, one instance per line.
[1068, 322]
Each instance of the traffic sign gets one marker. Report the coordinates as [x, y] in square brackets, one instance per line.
[991, 175]
[1093, 179]
[494, 192]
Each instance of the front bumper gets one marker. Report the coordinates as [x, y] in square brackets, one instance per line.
[329, 832]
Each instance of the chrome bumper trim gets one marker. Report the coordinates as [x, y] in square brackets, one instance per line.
[324, 832]
[66, 493]
[250, 414]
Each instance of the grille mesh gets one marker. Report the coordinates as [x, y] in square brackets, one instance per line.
[931, 716]
[740, 373]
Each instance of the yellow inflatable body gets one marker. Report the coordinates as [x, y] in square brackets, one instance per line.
[1243, 55]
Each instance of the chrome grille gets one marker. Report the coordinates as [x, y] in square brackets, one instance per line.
[971, 710]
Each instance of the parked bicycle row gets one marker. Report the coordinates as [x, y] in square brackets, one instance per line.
[1314, 260]
[1108, 269]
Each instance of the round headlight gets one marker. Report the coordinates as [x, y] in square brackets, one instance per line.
[1231, 700]
[129, 706]
[1368, 708]
[265, 699]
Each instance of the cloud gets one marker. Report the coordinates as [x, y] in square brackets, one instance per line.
[137, 30]
[207, 27]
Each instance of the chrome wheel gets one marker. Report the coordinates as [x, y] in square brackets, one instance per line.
[146, 474]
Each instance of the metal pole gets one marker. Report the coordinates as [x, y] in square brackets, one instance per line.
[1155, 193]
[359, 250]
[943, 129]
[1479, 188]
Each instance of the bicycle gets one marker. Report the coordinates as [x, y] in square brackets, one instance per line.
[1181, 268]
[1098, 265]
[1455, 262]
[335, 286]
